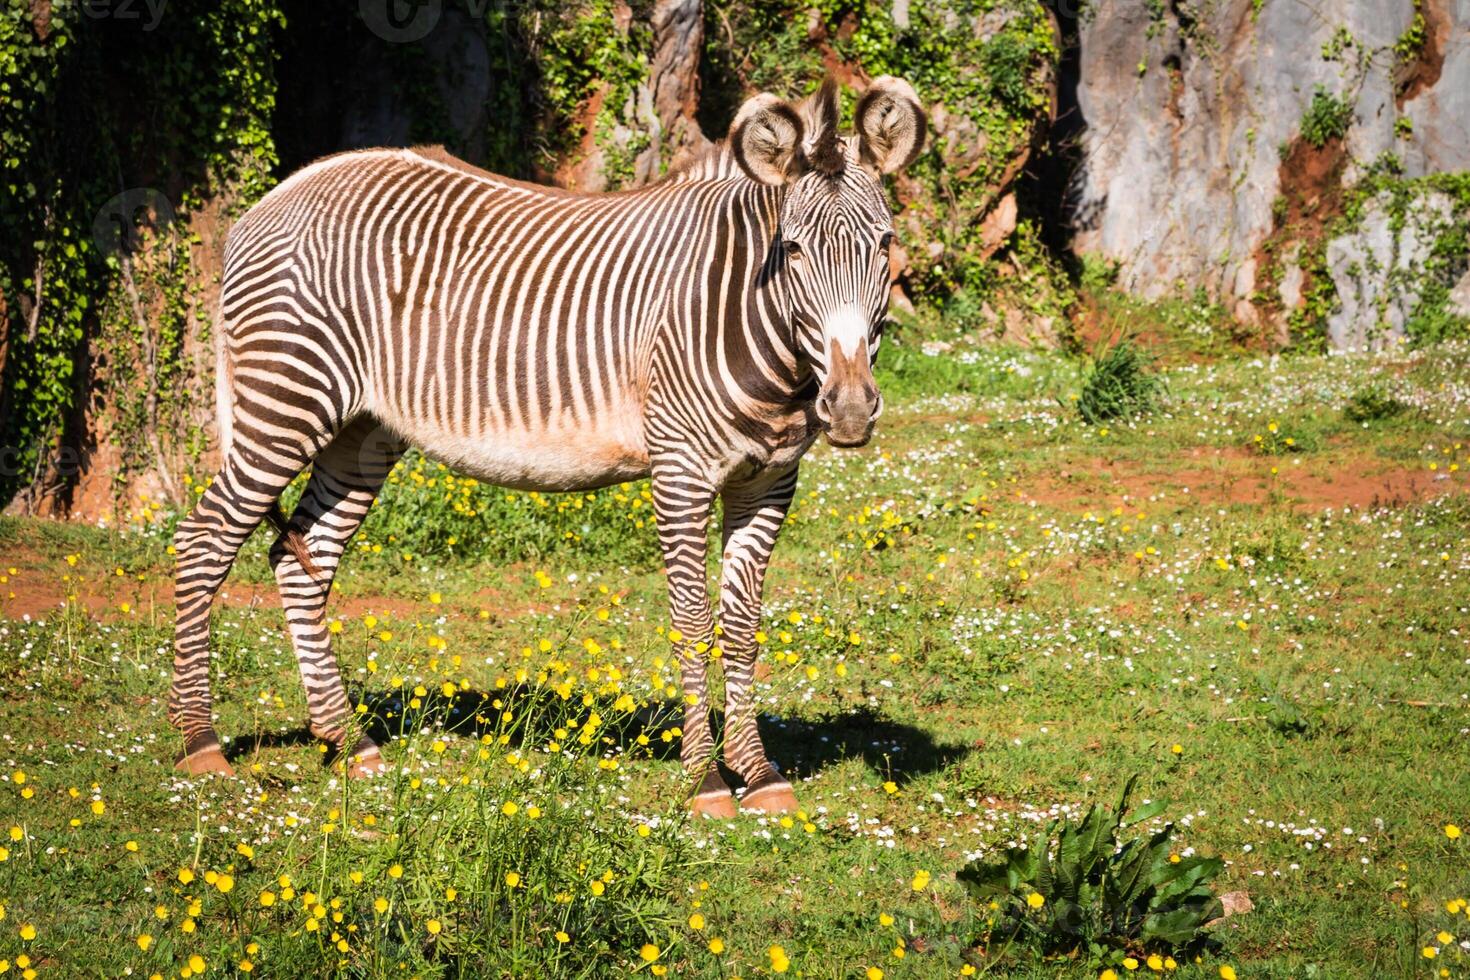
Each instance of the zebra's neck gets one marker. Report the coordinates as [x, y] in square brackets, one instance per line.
[730, 305]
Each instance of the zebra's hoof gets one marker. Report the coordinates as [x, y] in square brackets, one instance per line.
[773, 798]
[366, 764]
[716, 804]
[204, 760]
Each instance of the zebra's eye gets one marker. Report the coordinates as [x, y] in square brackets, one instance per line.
[886, 240]
[792, 250]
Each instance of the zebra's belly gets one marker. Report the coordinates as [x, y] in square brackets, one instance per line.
[547, 459]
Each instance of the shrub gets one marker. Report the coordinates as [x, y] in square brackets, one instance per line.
[1371, 404]
[1118, 384]
[1076, 890]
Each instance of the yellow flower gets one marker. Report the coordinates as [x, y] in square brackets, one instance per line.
[1430, 952]
[874, 973]
[185, 876]
[17, 835]
[1107, 975]
[225, 884]
[696, 922]
[1451, 831]
[144, 941]
[512, 879]
[1155, 962]
[509, 808]
[921, 881]
[1176, 748]
[1444, 937]
[380, 905]
[27, 932]
[396, 871]
[884, 919]
[196, 963]
[434, 926]
[1036, 900]
[598, 887]
[98, 807]
[780, 963]
[1129, 963]
[562, 937]
[649, 952]
[267, 898]
[1227, 973]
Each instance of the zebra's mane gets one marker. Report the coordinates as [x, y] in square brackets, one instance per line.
[714, 161]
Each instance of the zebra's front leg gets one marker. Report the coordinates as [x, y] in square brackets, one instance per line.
[754, 513]
[682, 504]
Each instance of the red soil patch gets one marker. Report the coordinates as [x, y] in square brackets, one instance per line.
[1235, 476]
[38, 590]
[1313, 196]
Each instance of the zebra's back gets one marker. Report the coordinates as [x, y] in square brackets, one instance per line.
[505, 328]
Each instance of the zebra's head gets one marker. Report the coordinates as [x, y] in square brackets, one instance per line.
[835, 230]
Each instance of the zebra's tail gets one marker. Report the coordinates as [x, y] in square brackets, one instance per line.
[293, 540]
[224, 404]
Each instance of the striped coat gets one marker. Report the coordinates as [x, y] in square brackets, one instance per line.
[703, 331]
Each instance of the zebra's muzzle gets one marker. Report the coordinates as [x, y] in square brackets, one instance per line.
[849, 404]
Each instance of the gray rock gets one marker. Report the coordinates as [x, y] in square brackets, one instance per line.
[1292, 280]
[1440, 112]
[1460, 296]
[1180, 163]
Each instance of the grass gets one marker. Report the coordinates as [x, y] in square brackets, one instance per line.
[987, 621]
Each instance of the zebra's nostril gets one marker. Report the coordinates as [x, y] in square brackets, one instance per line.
[824, 406]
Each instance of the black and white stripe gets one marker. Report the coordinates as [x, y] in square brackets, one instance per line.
[702, 331]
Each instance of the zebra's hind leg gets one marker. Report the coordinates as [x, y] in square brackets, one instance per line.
[206, 543]
[344, 480]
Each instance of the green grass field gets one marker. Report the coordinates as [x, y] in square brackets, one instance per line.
[1255, 598]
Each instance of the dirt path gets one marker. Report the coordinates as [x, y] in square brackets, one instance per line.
[1218, 478]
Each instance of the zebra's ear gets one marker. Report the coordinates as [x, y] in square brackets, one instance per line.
[890, 125]
[766, 139]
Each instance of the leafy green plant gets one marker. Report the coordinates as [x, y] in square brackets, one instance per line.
[1327, 117]
[1077, 889]
[1118, 383]
[1372, 404]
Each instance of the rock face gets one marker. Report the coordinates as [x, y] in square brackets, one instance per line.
[1378, 270]
[1191, 113]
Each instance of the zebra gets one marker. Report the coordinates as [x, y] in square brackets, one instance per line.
[702, 331]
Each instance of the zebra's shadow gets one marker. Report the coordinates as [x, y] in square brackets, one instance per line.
[801, 746]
